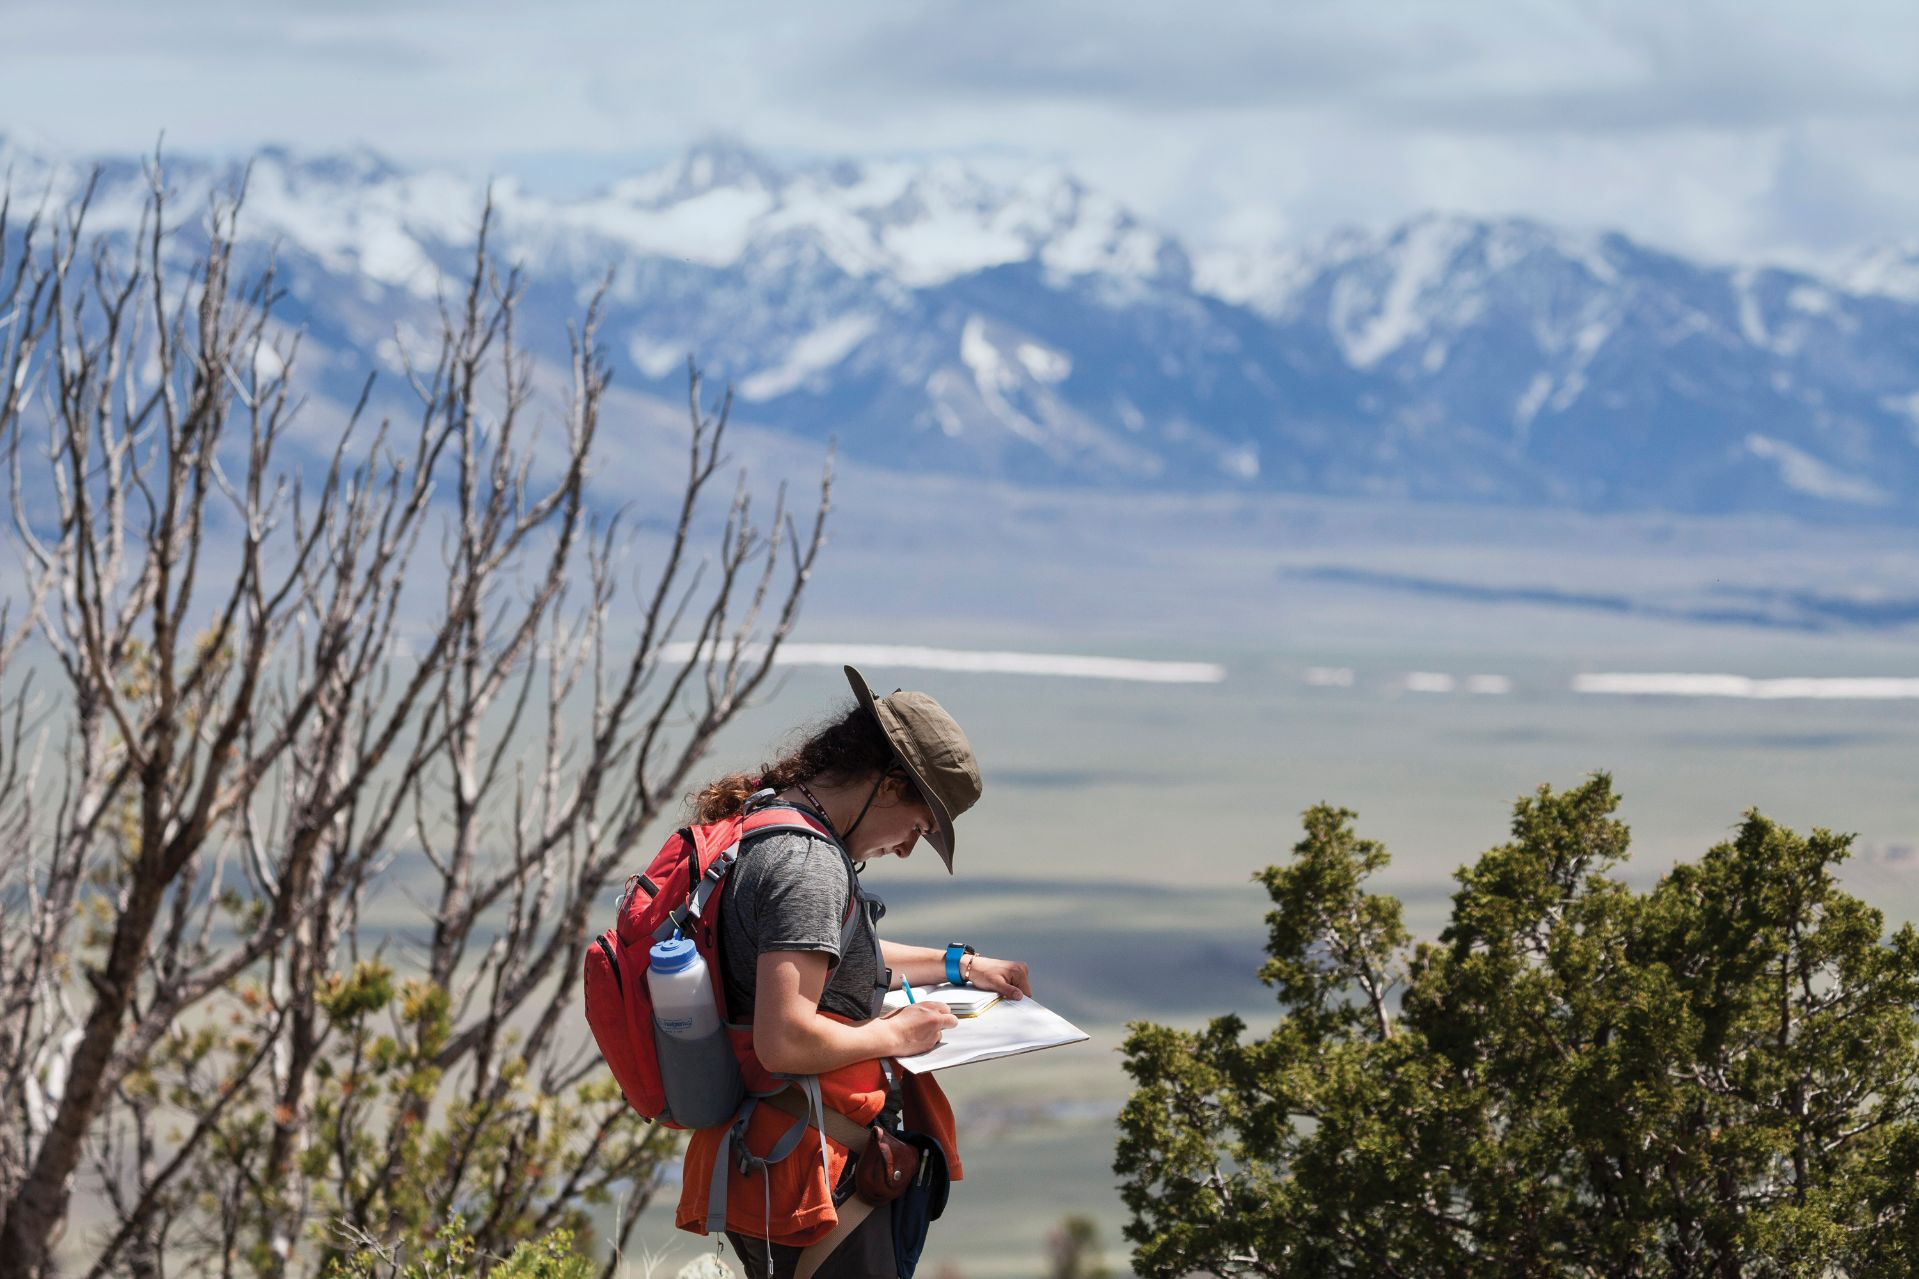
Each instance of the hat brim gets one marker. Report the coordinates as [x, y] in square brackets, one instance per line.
[941, 838]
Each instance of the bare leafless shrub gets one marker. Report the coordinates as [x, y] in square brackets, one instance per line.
[272, 693]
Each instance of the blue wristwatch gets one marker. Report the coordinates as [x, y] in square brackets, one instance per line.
[954, 950]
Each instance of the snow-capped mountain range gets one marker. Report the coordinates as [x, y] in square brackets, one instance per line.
[1030, 329]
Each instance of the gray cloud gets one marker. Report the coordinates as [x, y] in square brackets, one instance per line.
[1132, 56]
[1761, 127]
[1824, 198]
[1480, 67]
[1684, 72]
[1653, 109]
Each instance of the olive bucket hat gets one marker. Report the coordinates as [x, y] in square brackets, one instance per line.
[933, 750]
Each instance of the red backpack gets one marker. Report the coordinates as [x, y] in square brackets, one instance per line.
[678, 892]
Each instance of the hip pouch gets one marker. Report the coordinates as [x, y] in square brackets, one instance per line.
[886, 1167]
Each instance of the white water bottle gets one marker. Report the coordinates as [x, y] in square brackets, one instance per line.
[682, 988]
[702, 1077]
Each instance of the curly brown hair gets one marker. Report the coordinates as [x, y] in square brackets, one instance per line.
[849, 747]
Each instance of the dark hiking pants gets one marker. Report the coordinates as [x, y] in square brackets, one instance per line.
[866, 1253]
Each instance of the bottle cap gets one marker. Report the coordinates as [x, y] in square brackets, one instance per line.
[672, 955]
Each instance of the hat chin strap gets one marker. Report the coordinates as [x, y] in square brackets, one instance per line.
[846, 836]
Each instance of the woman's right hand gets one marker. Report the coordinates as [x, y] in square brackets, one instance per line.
[917, 1027]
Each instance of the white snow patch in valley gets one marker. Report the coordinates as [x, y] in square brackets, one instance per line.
[812, 353]
[1806, 474]
[1651, 684]
[1666, 684]
[985, 662]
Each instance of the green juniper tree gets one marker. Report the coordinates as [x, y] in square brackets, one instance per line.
[1717, 1076]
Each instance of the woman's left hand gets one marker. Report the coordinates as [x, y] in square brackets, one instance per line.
[1007, 978]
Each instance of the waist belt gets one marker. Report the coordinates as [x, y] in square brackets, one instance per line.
[793, 1101]
[838, 1126]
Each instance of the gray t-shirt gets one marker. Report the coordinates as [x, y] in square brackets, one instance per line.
[791, 892]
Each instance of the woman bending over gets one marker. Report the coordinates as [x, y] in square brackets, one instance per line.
[803, 962]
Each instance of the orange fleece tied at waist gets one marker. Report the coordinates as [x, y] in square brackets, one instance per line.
[790, 1202]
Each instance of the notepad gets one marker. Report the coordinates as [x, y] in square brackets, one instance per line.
[1002, 1028]
[968, 1003]
[965, 1001]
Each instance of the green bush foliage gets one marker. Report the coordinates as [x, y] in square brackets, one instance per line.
[1714, 1076]
[449, 1253]
[394, 1148]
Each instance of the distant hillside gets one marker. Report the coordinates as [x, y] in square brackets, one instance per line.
[1034, 331]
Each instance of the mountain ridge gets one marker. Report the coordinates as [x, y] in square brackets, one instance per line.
[1030, 329]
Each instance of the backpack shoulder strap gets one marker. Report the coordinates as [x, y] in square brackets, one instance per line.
[701, 885]
[766, 819]
[784, 817]
[770, 819]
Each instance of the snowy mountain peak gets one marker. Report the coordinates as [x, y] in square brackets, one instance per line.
[720, 204]
[709, 166]
[1416, 253]
[946, 315]
[353, 166]
[921, 223]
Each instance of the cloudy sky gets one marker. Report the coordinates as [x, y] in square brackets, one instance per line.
[1734, 130]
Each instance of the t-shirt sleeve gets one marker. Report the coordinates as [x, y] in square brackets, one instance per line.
[803, 895]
